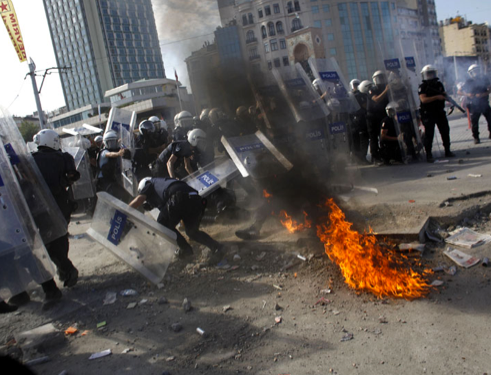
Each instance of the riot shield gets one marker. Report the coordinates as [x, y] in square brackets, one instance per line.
[83, 188]
[255, 156]
[212, 176]
[44, 209]
[23, 257]
[84, 130]
[140, 242]
[123, 123]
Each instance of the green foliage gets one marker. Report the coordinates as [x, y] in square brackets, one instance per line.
[28, 130]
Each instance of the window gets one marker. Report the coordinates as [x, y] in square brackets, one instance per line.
[326, 8]
[297, 6]
[266, 47]
[267, 10]
[253, 53]
[332, 51]
[244, 20]
[285, 61]
[328, 22]
[318, 24]
[296, 24]
[260, 13]
[276, 8]
[277, 63]
[274, 45]
[289, 7]
[263, 32]
[251, 19]
[270, 66]
[315, 9]
[279, 27]
[282, 43]
[250, 36]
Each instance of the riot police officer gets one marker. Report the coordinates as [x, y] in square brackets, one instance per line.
[377, 101]
[162, 135]
[59, 172]
[477, 89]
[177, 201]
[149, 144]
[432, 96]
[93, 151]
[108, 166]
[359, 129]
[183, 124]
[389, 139]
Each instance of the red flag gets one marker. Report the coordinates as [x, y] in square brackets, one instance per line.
[177, 78]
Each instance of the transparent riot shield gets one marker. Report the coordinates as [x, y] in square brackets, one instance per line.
[136, 239]
[341, 103]
[84, 130]
[44, 209]
[23, 257]
[255, 156]
[123, 123]
[213, 176]
[83, 188]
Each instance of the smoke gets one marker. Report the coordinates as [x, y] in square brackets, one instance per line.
[178, 20]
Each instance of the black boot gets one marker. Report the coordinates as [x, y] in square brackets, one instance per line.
[53, 294]
[248, 234]
[5, 308]
[448, 153]
[429, 157]
[71, 279]
[20, 299]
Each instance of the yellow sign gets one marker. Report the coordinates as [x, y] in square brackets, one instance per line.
[10, 20]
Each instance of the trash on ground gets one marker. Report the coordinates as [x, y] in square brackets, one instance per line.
[452, 271]
[323, 301]
[104, 353]
[201, 332]
[128, 292]
[127, 350]
[278, 320]
[186, 305]
[71, 331]
[451, 178]
[37, 361]
[326, 291]
[336, 312]
[462, 259]
[277, 287]
[412, 246]
[277, 307]
[237, 258]
[438, 269]
[170, 359]
[382, 319]
[227, 308]
[101, 324]
[485, 262]
[131, 305]
[110, 298]
[176, 327]
[163, 301]
[261, 256]
[441, 161]
[466, 237]
[84, 333]
[475, 175]
[142, 302]
[78, 236]
[412, 201]
[302, 258]
[437, 283]
[434, 231]
[347, 337]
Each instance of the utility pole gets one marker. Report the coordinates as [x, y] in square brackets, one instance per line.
[32, 68]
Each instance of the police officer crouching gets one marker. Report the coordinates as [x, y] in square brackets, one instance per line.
[432, 96]
[177, 201]
[389, 139]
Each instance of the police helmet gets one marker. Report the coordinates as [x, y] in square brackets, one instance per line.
[318, 84]
[391, 109]
[184, 120]
[474, 70]
[379, 78]
[204, 114]
[144, 182]
[146, 128]
[334, 105]
[429, 72]
[47, 138]
[156, 122]
[252, 110]
[98, 140]
[242, 111]
[354, 84]
[163, 125]
[196, 137]
[175, 120]
[365, 86]
[110, 140]
[216, 114]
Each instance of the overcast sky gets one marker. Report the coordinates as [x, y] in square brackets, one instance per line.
[176, 20]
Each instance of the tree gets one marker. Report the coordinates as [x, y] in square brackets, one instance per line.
[28, 130]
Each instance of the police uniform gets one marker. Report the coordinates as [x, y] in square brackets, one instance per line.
[375, 116]
[180, 149]
[58, 170]
[434, 114]
[177, 201]
[143, 158]
[360, 135]
[478, 106]
[390, 150]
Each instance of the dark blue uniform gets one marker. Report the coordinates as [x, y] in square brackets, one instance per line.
[478, 106]
[181, 149]
[375, 116]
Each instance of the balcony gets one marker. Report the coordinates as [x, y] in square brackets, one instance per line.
[296, 28]
[255, 57]
[251, 40]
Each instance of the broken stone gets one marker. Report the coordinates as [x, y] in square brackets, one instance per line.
[237, 258]
[278, 319]
[43, 337]
[227, 308]
[383, 320]
[347, 337]
[170, 359]
[176, 327]
[277, 307]
[163, 301]
[186, 305]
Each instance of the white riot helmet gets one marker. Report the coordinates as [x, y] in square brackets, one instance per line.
[47, 138]
[111, 140]
[379, 78]
[334, 105]
[98, 140]
[156, 122]
[318, 84]
[204, 114]
[354, 84]
[474, 71]
[146, 128]
[429, 72]
[175, 120]
[215, 115]
[144, 182]
[163, 125]
[185, 120]
[365, 86]
[196, 137]
[391, 109]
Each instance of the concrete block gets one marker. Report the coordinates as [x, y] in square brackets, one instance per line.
[40, 338]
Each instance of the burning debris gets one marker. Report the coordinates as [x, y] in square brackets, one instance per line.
[291, 225]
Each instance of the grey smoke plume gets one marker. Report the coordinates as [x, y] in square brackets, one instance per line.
[182, 19]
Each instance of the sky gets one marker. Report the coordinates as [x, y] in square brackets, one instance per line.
[177, 20]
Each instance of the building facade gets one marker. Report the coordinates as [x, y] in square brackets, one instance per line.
[106, 43]
[359, 34]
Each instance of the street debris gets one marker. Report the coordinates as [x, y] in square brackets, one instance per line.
[37, 361]
[104, 353]
[71, 331]
[163, 301]
[201, 332]
[441, 161]
[475, 175]
[142, 302]
[412, 201]
[467, 238]
[84, 333]
[186, 305]
[336, 312]
[278, 320]
[347, 337]
[452, 271]
[412, 246]
[451, 178]
[326, 291]
[437, 283]
[302, 258]
[170, 359]
[323, 301]
[176, 327]
[237, 258]
[127, 350]
[101, 324]
[128, 293]
[110, 298]
[227, 308]
[460, 258]
[261, 256]
[485, 262]
[277, 307]
[382, 319]
[131, 305]
[277, 287]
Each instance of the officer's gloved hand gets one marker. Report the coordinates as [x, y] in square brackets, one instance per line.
[73, 176]
[147, 206]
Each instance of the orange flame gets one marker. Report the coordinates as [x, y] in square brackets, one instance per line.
[291, 225]
[364, 264]
[266, 194]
